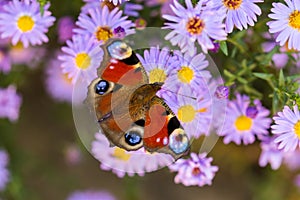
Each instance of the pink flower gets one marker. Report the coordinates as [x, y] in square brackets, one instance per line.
[197, 170]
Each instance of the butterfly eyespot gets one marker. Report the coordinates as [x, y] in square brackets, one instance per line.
[179, 142]
[102, 87]
[119, 50]
[133, 138]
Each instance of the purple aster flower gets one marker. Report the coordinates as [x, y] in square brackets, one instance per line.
[22, 21]
[165, 6]
[91, 195]
[119, 32]
[286, 23]
[157, 63]
[270, 153]
[188, 71]
[239, 13]
[10, 103]
[222, 92]
[81, 59]
[4, 173]
[5, 61]
[197, 170]
[251, 112]
[65, 28]
[90, 4]
[193, 24]
[140, 23]
[192, 108]
[239, 127]
[99, 23]
[287, 127]
[280, 59]
[58, 84]
[131, 9]
[30, 56]
[216, 47]
[292, 159]
[122, 162]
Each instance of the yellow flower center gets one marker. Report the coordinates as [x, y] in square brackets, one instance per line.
[157, 75]
[195, 26]
[121, 154]
[25, 23]
[232, 4]
[83, 60]
[243, 123]
[103, 33]
[297, 129]
[294, 20]
[185, 74]
[186, 113]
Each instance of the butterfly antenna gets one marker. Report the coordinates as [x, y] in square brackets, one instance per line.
[194, 98]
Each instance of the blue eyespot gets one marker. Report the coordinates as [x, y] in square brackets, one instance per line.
[179, 142]
[133, 138]
[101, 87]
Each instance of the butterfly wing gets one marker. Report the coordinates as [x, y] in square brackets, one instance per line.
[120, 74]
[163, 131]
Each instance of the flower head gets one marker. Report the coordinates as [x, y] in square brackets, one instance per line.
[65, 28]
[239, 13]
[286, 23]
[30, 56]
[270, 153]
[58, 84]
[197, 170]
[4, 173]
[165, 5]
[22, 21]
[91, 195]
[292, 159]
[287, 127]
[131, 9]
[81, 58]
[222, 92]
[157, 64]
[10, 103]
[240, 127]
[188, 71]
[193, 24]
[5, 61]
[122, 162]
[99, 23]
[193, 110]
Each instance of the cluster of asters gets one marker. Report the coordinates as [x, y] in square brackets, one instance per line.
[184, 73]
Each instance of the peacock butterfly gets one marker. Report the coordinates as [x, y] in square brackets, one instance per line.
[128, 110]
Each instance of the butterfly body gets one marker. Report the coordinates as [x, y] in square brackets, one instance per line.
[127, 108]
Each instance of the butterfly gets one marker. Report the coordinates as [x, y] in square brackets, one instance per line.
[129, 112]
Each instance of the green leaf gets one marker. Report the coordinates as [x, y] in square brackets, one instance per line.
[229, 74]
[253, 91]
[275, 103]
[281, 78]
[264, 76]
[223, 47]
